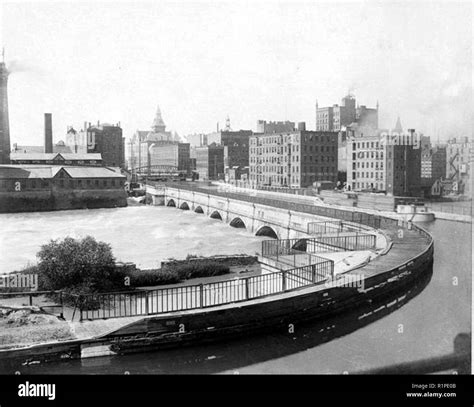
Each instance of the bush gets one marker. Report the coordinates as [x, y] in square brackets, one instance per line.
[195, 269]
[79, 266]
[145, 278]
[176, 272]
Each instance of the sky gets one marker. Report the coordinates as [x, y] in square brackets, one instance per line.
[202, 61]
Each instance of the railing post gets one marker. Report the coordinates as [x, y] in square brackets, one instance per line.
[313, 271]
[61, 303]
[146, 302]
[80, 308]
[247, 288]
[283, 280]
[201, 295]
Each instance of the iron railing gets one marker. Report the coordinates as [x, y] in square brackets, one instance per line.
[163, 300]
[322, 244]
[372, 221]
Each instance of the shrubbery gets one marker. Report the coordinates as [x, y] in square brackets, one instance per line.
[176, 272]
[146, 278]
[80, 266]
[86, 266]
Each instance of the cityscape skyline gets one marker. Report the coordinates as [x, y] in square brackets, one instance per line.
[100, 71]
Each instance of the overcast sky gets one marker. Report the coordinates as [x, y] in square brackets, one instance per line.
[201, 61]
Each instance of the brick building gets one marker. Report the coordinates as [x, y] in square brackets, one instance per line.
[105, 139]
[459, 163]
[377, 165]
[336, 117]
[293, 159]
[55, 187]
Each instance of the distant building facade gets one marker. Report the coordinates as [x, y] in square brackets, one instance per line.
[380, 166]
[176, 155]
[433, 164]
[210, 162]
[25, 188]
[275, 127]
[146, 148]
[293, 159]
[105, 139]
[92, 159]
[336, 117]
[459, 163]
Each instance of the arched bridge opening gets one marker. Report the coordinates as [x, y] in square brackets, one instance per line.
[184, 206]
[198, 210]
[172, 203]
[266, 231]
[216, 215]
[238, 223]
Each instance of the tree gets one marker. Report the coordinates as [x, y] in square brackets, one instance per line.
[78, 265]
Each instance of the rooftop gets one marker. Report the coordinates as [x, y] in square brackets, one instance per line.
[55, 156]
[50, 171]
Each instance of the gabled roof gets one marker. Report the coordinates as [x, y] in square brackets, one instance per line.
[55, 156]
[92, 172]
[51, 171]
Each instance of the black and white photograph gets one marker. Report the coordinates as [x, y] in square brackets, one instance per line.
[236, 188]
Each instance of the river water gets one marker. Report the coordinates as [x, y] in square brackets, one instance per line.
[422, 325]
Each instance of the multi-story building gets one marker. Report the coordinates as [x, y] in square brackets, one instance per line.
[375, 163]
[275, 127]
[459, 162]
[433, 163]
[172, 155]
[105, 139]
[294, 159]
[210, 162]
[143, 143]
[197, 139]
[236, 150]
[336, 117]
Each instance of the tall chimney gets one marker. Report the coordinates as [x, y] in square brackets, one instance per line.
[48, 133]
[4, 121]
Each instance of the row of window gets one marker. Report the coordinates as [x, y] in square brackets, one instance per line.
[369, 154]
[368, 185]
[29, 184]
[363, 164]
[378, 175]
[366, 144]
[60, 162]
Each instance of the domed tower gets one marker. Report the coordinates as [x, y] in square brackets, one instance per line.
[4, 121]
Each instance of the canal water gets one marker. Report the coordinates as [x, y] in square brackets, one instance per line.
[423, 322]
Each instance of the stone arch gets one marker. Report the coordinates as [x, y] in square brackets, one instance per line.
[238, 223]
[267, 231]
[216, 215]
[184, 206]
[198, 210]
[172, 203]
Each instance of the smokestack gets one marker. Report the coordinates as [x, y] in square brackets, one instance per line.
[48, 133]
[4, 121]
